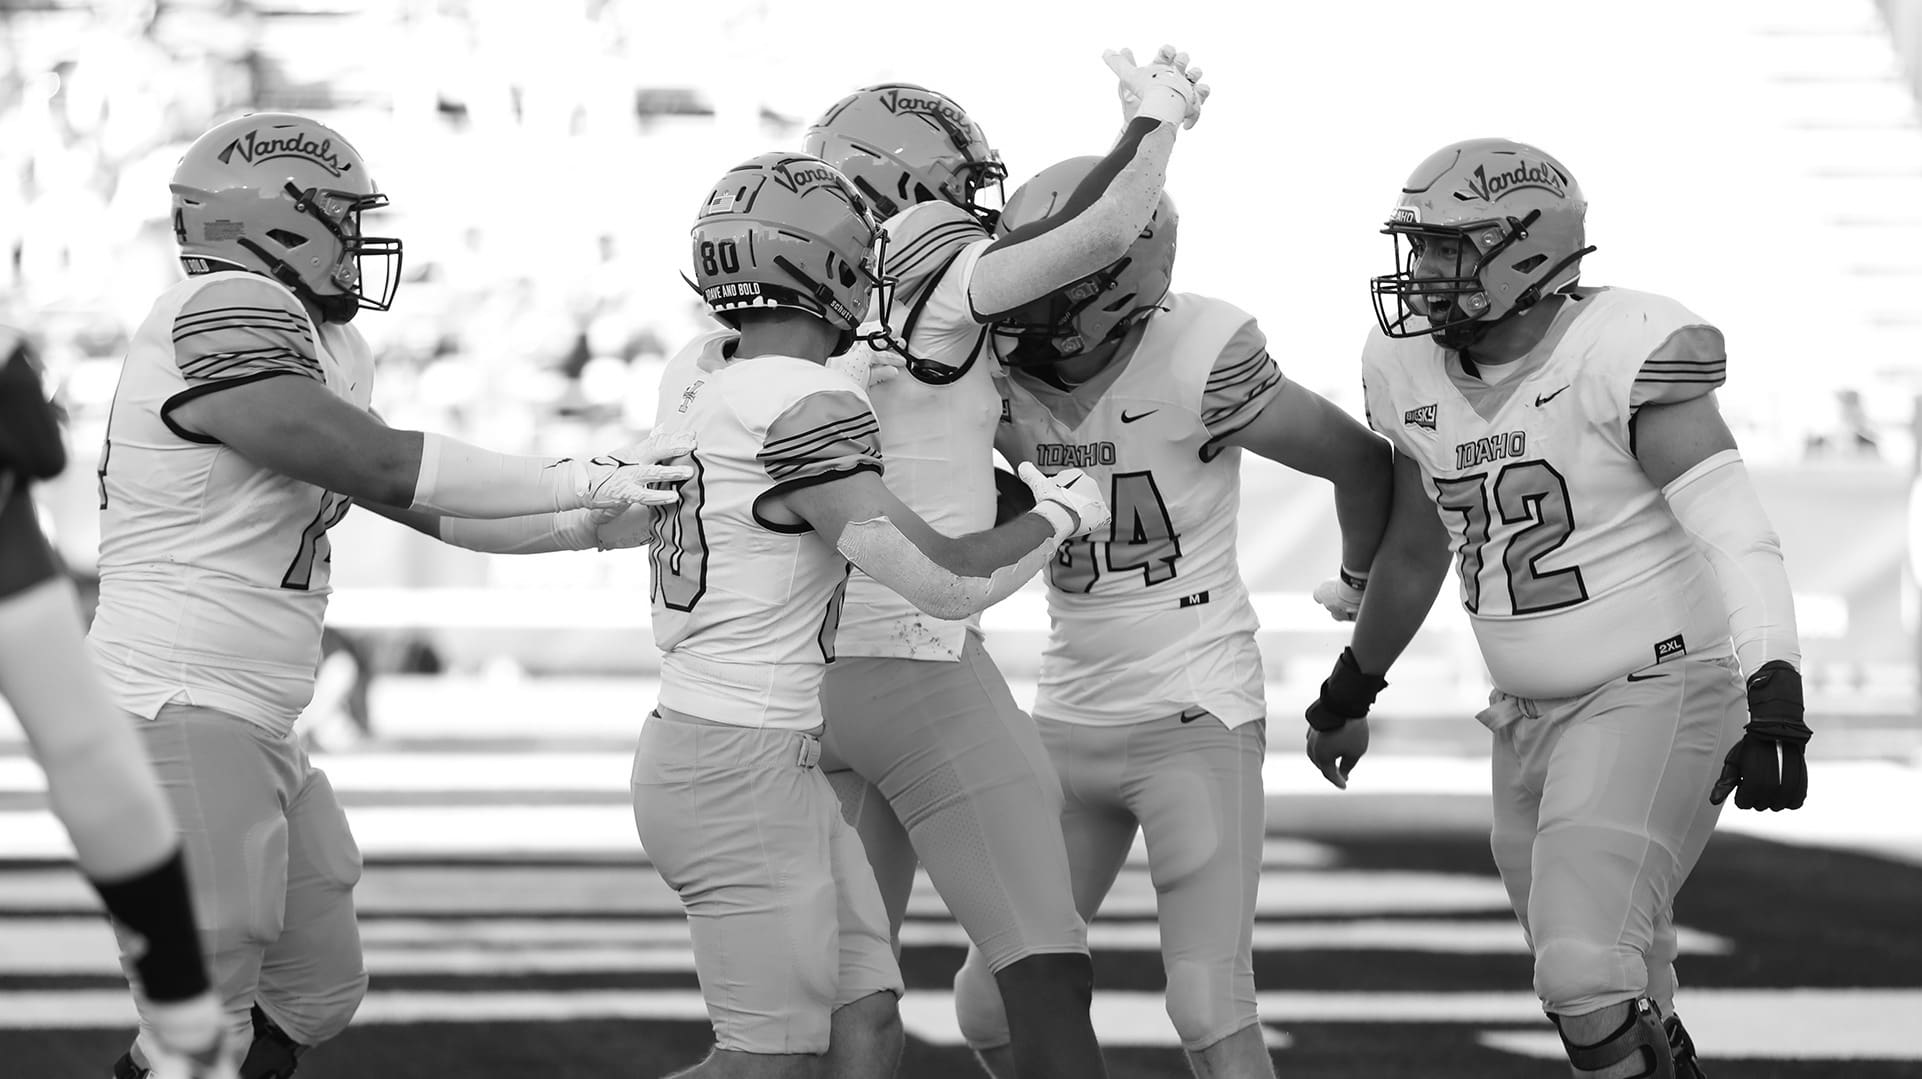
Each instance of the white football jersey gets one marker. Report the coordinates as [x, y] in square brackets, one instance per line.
[938, 437]
[1151, 616]
[745, 610]
[1573, 570]
[213, 570]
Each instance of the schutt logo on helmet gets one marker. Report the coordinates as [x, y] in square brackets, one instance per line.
[1544, 177]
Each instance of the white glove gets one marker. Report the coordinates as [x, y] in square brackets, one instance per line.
[634, 474]
[180, 1026]
[1165, 88]
[622, 528]
[1342, 596]
[1070, 490]
[865, 365]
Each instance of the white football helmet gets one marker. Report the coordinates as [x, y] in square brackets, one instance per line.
[1514, 216]
[281, 195]
[788, 230]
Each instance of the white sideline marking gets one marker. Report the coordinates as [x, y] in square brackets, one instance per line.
[1793, 1024]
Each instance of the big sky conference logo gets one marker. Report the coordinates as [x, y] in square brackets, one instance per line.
[254, 147]
[1524, 176]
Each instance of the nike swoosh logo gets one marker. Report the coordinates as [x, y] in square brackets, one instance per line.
[1643, 677]
[1125, 418]
[1193, 714]
[1540, 401]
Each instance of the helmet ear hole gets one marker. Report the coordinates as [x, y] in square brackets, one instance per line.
[288, 240]
[848, 277]
[1531, 263]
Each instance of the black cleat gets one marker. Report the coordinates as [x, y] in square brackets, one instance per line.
[1682, 1048]
[273, 1055]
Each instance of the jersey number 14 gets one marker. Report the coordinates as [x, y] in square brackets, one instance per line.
[1141, 538]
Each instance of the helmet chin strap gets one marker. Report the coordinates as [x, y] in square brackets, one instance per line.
[338, 308]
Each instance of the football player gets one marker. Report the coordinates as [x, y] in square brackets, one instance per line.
[100, 785]
[238, 435]
[932, 758]
[790, 938]
[1151, 698]
[1621, 577]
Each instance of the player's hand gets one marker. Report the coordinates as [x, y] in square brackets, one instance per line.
[1072, 490]
[867, 366]
[1767, 769]
[1335, 752]
[621, 528]
[1167, 88]
[1338, 718]
[190, 1040]
[1342, 595]
[635, 475]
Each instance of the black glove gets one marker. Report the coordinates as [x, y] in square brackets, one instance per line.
[1347, 694]
[1775, 725]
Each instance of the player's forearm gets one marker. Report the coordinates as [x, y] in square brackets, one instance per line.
[100, 785]
[462, 480]
[1021, 269]
[1402, 586]
[1364, 496]
[538, 533]
[958, 577]
[1716, 504]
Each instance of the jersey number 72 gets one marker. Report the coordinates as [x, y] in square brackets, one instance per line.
[1530, 494]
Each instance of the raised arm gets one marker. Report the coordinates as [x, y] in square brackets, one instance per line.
[1109, 209]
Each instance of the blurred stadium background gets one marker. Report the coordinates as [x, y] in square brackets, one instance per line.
[1761, 161]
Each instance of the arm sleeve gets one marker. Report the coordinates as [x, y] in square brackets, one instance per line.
[1109, 208]
[885, 554]
[537, 533]
[823, 435]
[1716, 505]
[1242, 382]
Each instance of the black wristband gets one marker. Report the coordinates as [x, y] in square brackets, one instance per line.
[1775, 692]
[155, 905]
[1351, 580]
[1347, 694]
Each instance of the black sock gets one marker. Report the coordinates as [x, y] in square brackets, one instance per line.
[1047, 997]
[155, 905]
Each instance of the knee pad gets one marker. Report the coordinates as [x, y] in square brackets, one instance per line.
[1574, 977]
[1205, 1006]
[977, 1004]
[1640, 1037]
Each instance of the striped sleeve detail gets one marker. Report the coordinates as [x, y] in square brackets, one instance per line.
[924, 240]
[236, 328]
[1689, 364]
[1244, 379]
[821, 434]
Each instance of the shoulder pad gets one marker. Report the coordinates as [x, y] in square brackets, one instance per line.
[923, 240]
